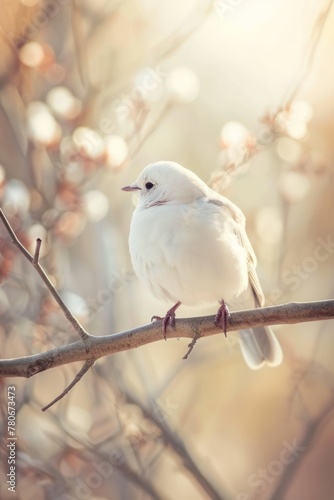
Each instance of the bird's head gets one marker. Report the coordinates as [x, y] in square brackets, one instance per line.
[167, 182]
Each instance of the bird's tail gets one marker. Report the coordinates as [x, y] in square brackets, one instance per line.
[259, 347]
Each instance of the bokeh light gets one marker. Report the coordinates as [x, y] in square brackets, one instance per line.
[77, 305]
[31, 54]
[63, 103]
[233, 134]
[70, 225]
[182, 84]
[96, 205]
[42, 127]
[116, 150]
[89, 141]
[16, 198]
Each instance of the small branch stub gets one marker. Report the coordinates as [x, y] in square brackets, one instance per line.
[37, 250]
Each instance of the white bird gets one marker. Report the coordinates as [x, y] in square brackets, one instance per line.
[188, 245]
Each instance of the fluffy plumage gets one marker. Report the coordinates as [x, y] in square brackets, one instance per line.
[189, 244]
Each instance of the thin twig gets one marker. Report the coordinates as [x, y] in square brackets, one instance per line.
[81, 50]
[191, 345]
[305, 443]
[89, 363]
[309, 56]
[164, 112]
[290, 95]
[178, 38]
[177, 445]
[123, 468]
[35, 262]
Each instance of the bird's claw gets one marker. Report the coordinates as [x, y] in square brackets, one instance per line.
[167, 320]
[222, 317]
[156, 318]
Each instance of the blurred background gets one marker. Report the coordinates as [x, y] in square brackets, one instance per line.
[240, 92]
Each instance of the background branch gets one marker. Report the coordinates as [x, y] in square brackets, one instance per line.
[34, 260]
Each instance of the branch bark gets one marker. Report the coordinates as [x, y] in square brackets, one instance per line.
[96, 347]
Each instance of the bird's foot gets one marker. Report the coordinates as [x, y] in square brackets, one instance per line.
[167, 320]
[222, 317]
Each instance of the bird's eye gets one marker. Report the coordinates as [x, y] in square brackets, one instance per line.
[149, 185]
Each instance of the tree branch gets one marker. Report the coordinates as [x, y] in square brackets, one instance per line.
[34, 260]
[91, 348]
[97, 347]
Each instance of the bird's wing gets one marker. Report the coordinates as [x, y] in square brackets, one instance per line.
[240, 231]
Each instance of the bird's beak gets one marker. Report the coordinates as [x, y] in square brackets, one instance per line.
[132, 187]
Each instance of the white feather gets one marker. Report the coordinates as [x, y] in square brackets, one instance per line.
[188, 244]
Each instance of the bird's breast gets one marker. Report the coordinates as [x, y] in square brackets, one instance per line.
[187, 253]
